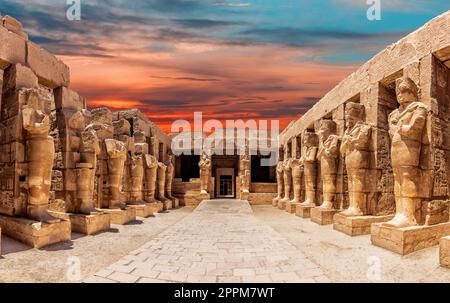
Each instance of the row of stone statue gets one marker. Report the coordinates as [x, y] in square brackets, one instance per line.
[406, 128]
[244, 179]
[91, 139]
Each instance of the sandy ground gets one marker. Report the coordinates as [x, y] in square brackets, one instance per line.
[56, 263]
[347, 259]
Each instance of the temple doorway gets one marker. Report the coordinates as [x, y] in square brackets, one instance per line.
[224, 171]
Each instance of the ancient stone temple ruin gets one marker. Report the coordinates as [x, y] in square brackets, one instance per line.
[65, 168]
[374, 152]
[372, 157]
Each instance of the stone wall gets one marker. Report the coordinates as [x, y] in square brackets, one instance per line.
[423, 57]
[24, 66]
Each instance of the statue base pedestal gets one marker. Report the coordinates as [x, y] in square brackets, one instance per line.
[303, 211]
[275, 203]
[408, 239]
[444, 251]
[143, 210]
[33, 233]
[175, 202]
[291, 207]
[86, 224]
[244, 196]
[121, 216]
[358, 225]
[0, 242]
[323, 216]
[282, 204]
[167, 204]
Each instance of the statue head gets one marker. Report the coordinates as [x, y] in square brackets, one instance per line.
[406, 90]
[354, 113]
[310, 139]
[326, 129]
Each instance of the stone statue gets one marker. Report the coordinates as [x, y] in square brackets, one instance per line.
[309, 160]
[151, 171]
[161, 181]
[169, 177]
[244, 171]
[85, 170]
[406, 128]
[40, 155]
[328, 155]
[280, 183]
[297, 169]
[287, 178]
[137, 179]
[117, 154]
[205, 172]
[355, 149]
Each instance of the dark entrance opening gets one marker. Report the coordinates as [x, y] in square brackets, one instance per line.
[262, 174]
[189, 167]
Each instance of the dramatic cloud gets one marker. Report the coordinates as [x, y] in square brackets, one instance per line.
[228, 59]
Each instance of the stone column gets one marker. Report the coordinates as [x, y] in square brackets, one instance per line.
[205, 173]
[169, 177]
[297, 178]
[280, 183]
[117, 154]
[287, 178]
[328, 155]
[406, 128]
[309, 159]
[161, 181]
[356, 150]
[151, 170]
[40, 155]
[89, 149]
[137, 179]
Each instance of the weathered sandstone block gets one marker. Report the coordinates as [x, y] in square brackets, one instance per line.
[409, 239]
[322, 216]
[87, 224]
[35, 234]
[12, 48]
[121, 216]
[50, 71]
[357, 225]
[444, 252]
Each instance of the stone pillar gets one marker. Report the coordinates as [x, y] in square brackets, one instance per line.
[287, 179]
[137, 179]
[280, 183]
[40, 155]
[151, 170]
[117, 154]
[161, 182]
[406, 128]
[328, 155]
[356, 150]
[89, 150]
[309, 159]
[244, 173]
[205, 173]
[297, 178]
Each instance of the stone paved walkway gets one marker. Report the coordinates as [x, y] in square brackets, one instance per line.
[221, 241]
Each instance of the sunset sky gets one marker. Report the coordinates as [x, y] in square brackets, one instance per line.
[261, 59]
